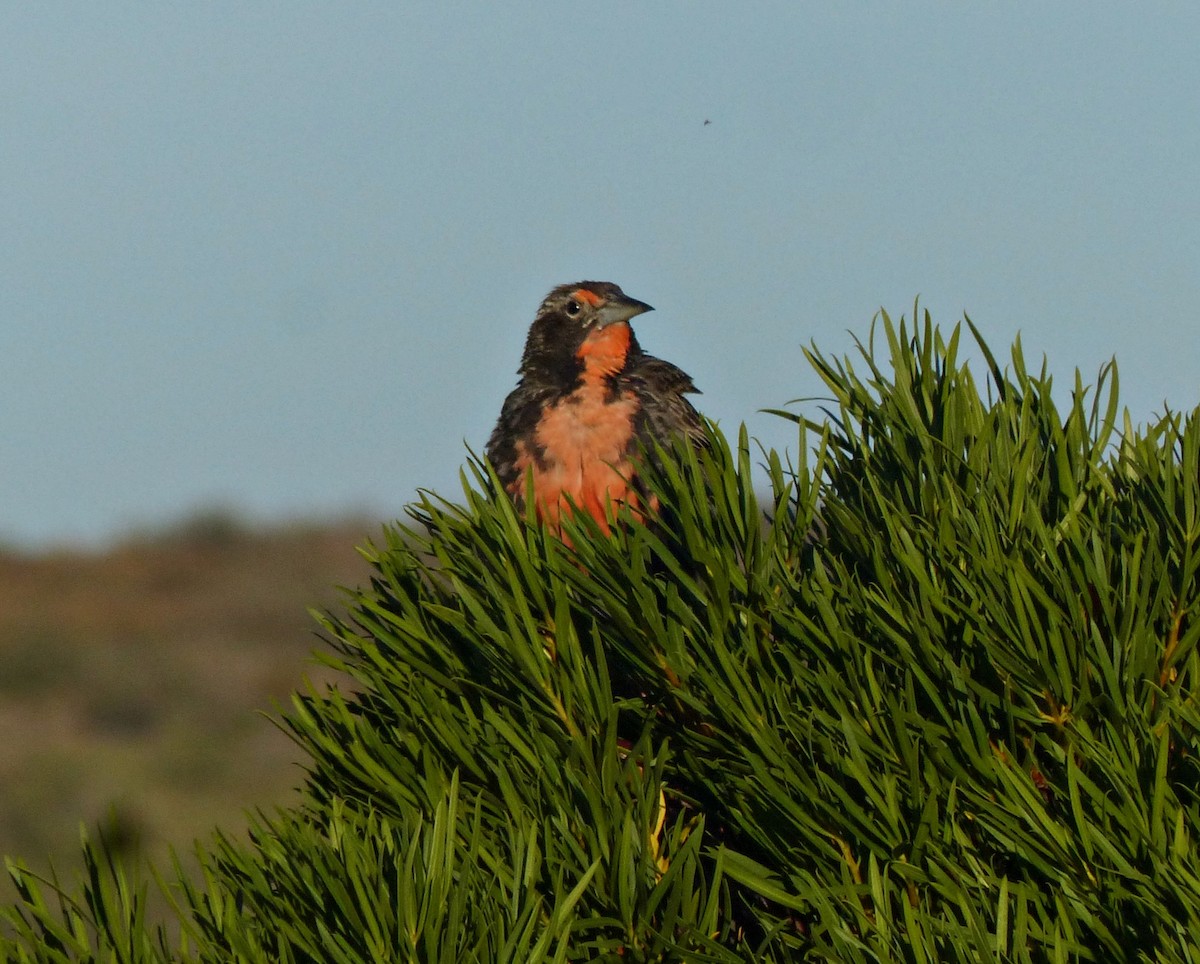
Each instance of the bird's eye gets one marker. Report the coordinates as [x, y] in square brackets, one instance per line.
[573, 308]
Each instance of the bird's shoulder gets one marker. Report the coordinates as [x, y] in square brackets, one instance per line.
[647, 373]
[661, 389]
[519, 417]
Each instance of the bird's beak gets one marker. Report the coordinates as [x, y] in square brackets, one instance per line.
[621, 309]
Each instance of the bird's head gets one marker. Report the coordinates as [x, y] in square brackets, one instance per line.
[582, 327]
[587, 305]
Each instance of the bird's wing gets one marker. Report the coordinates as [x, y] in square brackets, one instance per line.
[517, 424]
[665, 411]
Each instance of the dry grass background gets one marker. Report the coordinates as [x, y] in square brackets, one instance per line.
[133, 682]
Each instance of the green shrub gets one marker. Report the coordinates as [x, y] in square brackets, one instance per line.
[933, 699]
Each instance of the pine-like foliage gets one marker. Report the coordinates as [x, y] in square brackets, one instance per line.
[933, 699]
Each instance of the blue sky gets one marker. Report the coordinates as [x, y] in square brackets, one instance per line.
[282, 257]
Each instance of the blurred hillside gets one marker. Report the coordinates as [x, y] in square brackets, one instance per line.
[133, 682]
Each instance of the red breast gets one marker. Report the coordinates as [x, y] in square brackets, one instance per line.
[585, 438]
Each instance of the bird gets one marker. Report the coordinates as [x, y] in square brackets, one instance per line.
[587, 402]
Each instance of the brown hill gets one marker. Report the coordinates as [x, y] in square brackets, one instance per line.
[133, 682]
